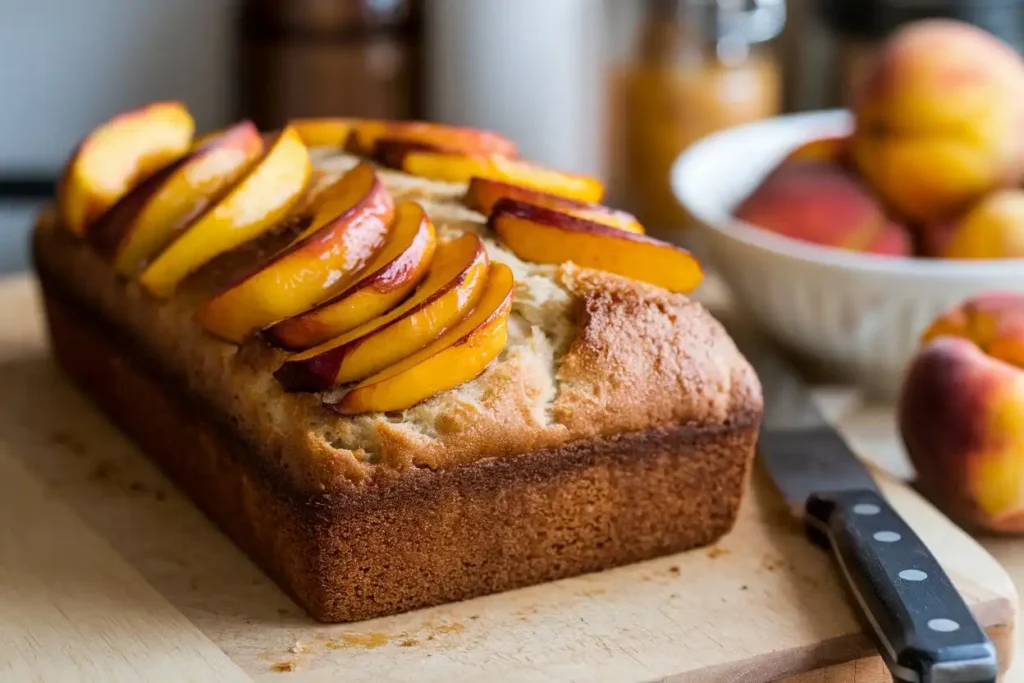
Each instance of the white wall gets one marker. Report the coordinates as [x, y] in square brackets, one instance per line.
[69, 64]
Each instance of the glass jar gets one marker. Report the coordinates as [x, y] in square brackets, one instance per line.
[696, 66]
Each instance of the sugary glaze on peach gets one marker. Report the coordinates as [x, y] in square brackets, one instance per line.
[588, 355]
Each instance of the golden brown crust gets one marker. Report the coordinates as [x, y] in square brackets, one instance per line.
[421, 537]
[590, 354]
[648, 356]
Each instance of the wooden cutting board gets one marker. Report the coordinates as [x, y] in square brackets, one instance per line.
[108, 574]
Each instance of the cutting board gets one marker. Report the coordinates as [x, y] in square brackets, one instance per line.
[108, 574]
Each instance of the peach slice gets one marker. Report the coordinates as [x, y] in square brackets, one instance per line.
[458, 356]
[324, 131]
[366, 134]
[390, 276]
[461, 168]
[391, 153]
[349, 227]
[117, 155]
[252, 207]
[545, 236]
[452, 288]
[483, 194]
[194, 182]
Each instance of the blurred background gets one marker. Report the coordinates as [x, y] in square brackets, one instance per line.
[615, 88]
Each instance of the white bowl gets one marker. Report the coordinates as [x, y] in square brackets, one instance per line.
[857, 315]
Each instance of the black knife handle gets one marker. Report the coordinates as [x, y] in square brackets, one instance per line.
[923, 629]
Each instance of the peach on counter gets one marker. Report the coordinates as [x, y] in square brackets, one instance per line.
[541, 235]
[961, 412]
[816, 202]
[183, 190]
[255, 205]
[483, 194]
[458, 356]
[994, 228]
[461, 168]
[939, 122]
[366, 134]
[387, 279]
[117, 155]
[451, 289]
[349, 227]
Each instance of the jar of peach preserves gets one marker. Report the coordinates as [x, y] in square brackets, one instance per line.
[696, 66]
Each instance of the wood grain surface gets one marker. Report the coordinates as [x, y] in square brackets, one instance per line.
[108, 574]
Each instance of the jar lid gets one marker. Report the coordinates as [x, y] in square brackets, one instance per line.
[873, 19]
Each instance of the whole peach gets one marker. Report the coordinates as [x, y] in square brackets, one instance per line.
[961, 412]
[940, 120]
[894, 240]
[815, 201]
[992, 229]
[834, 149]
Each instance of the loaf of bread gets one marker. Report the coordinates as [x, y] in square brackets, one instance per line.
[618, 424]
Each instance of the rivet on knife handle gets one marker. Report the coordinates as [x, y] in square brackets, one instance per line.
[924, 630]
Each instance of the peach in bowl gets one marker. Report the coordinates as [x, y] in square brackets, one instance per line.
[836, 280]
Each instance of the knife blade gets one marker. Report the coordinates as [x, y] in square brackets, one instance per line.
[922, 627]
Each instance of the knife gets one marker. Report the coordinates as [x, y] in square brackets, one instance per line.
[923, 630]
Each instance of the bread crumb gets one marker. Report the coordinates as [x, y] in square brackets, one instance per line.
[297, 648]
[409, 642]
[367, 640]
[287, 665]
[674, 570]
[714, 552]
[449, 628]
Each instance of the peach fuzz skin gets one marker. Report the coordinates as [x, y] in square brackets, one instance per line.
[961, 413]
[994, 228]
[816, 202]
[940, 121]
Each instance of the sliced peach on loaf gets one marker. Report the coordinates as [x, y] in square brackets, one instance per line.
[117, 155]
[391, 153]
[195, 181]
[252, 207]
[349, 227]
[458, 356]
[108, 230]
[541, 235]
[484, 193]
[366, 135]
[450, 290]
[324, 131]
[461, 168]
[389, 277]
